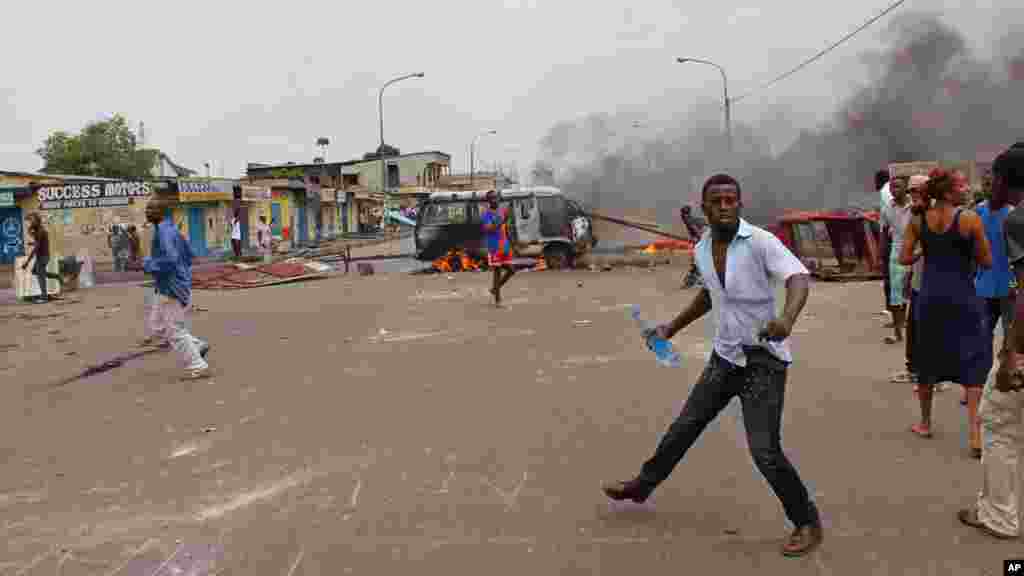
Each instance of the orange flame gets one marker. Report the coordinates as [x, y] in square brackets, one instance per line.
[456, 260]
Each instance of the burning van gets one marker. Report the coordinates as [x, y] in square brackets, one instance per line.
[544, 223]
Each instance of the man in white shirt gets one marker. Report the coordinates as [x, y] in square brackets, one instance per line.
[740, 264]
[884, 199]
[895, 218]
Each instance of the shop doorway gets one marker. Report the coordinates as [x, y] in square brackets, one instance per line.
[275, 219]
[302, 234]
[197, 231]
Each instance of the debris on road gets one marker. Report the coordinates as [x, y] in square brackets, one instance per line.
[580, 323]
[238, 276]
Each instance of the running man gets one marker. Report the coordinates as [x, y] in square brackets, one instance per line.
[499, 244]
[170, 264]
[750, 358]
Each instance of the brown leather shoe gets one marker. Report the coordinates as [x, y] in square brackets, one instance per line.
[634, 490]
[803, 540]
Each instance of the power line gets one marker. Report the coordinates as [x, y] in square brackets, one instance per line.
[810, 60]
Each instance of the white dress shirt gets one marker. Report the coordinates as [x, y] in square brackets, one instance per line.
[756, 261]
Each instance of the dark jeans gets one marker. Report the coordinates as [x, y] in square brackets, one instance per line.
[909, 332]
[761, 388]
[997, 308]
[39, 270]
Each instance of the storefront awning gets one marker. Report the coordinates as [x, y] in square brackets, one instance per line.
[205, 190]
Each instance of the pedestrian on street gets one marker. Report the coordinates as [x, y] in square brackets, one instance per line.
[236, 234]
[918, 204]
[694, 228]
[499, 244]
[885, 198]
[895, 218]
[120, 247]
[993, 284]
[740, 264]
[40, 255]
[170, 263]
[263, 238]
[951, 317]
[135, 245]
[996, 512]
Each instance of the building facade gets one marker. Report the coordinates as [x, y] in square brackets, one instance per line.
[78, 212]
[358, 192]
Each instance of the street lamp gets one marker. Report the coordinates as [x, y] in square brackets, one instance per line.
[725, 87]
[472, 154]
[380, 114]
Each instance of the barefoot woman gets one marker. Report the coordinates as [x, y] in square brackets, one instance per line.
[951, 323]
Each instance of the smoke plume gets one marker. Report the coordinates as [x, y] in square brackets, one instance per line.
[927, 98]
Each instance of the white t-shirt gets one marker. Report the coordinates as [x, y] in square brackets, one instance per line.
[756, 262]
[236, 229]
[896, 218]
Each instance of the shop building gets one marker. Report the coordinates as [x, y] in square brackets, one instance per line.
[203, 214]
[78, 212]
[361, 186]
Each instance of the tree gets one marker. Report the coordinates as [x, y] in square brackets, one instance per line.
[107, 148]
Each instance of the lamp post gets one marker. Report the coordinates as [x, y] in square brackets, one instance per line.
[472, 154]
[725, 87]
[380, 114]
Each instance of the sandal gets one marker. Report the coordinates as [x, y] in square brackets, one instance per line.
[976, 453]
[901, 378]
[892, 340]
[969, 517]
[921, 431]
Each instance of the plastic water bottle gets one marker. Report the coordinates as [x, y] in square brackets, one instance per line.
[664, 351]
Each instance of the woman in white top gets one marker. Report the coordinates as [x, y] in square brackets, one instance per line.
[236, 235]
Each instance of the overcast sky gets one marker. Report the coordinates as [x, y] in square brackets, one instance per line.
[260, 80]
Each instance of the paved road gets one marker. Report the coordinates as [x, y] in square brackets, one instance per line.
[399, 424]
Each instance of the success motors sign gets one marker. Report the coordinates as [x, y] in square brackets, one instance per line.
[91, 194]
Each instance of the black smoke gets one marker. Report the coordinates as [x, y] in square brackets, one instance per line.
[927, 98]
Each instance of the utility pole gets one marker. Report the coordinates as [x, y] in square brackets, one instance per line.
[472, 154]
[380, 149]
[725, 89]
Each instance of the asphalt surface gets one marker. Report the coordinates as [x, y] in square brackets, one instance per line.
[399, 424]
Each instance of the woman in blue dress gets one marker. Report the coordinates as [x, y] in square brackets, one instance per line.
[952, 331]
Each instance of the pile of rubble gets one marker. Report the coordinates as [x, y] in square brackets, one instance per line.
[237, 276]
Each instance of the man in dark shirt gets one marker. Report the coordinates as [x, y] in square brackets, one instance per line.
[694, 228]
[1002, 401]
[41, 254]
